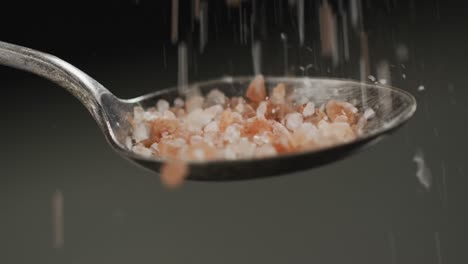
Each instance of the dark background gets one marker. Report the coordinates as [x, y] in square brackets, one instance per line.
[370, 208]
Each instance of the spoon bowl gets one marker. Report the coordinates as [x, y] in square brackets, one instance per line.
[392, 106]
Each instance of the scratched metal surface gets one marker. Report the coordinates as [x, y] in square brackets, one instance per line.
[66, 197]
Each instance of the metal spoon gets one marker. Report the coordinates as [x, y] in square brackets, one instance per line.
[393, 107]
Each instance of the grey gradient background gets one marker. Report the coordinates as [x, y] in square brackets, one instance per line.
[369, 208]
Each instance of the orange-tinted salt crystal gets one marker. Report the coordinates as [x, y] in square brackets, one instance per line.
[160, 126]
[278, 94]
[336, 108]
[257, 126]
[318, 116]
[256, 91]
[173, 173]
[226, 120]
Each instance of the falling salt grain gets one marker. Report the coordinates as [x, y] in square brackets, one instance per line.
[162, 105]
[371, 78]
[128, 142]
[421, 88]
[173, 173]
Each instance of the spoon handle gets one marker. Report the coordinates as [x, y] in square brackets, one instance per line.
[82, 86]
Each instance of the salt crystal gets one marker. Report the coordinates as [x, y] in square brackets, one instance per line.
[211, 127]
[154, 147]
[196, 139]
[215, 97]
[265, 150]
[229, 153]
[168, 115]
[138, 114]
[232, 133]
[214, 111]
[369, 113]
[194, 102]
[261, 110]
[141, 150]
[371, 78]
[162, 105]
[173, 173]
[128, 142]
[245, 149]
[178, 102]
[151, 115]
[141, 132]
[293, 121]
[341, 118]
[240, 108]
[256, 91]
[261, 139]
[197, 119]
[309, 109]
[279, 94]
[421, 88]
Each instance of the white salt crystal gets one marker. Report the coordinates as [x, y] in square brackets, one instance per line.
[341, 118]
[141, 132]
[194, 102]
[309, 109]
[261, 139]
[240, 108]
[293, 121]
[211, 127]
[215, 97]
[245, 148]
[369, 113]
[138, 114]
[196, 139]
[265, 151]
[162, 105]
[421, 88]
[128, 142]
[371, 78]
[141, 150]
[178, 102]
[232, 133]
[199, 154]
[214, 111]
[154, 148]
[261, 110]
[229, 153]
[197, 119]
[168, 115]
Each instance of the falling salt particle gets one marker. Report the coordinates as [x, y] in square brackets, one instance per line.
[423, 173]
[173, 174]
[57, 219]
[383, 81]
[257, 57]
[403, 76]
[402, 52]
[371, 78]
[421, 88]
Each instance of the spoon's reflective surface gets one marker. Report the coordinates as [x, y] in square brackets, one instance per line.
[393, 107]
